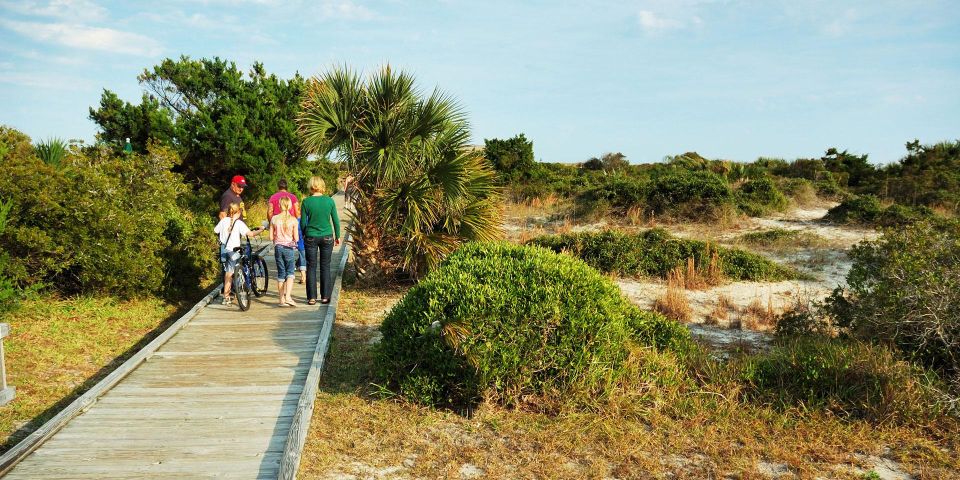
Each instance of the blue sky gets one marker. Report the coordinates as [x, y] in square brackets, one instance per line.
[726, 78]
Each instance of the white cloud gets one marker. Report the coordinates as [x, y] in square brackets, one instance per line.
[345, 10]
[73, 10]
[89, 38]
[653, 23]
[57, 81]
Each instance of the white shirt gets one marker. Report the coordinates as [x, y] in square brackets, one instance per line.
[223, 229]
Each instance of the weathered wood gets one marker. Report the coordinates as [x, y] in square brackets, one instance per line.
[6, 391]
[293, 450]
[218, 397]
[33, 440]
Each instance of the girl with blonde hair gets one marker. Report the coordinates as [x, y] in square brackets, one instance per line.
[284, 234]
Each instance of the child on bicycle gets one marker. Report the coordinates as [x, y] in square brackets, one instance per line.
[229, 230]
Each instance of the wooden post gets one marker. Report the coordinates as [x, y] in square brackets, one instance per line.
[7, 392]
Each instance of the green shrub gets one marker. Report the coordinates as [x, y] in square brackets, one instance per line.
[688, 194]
[863, 209]
[867, 210]
[852, 379]
[99, 223]
[800, 190]
[655, 252]
[760, 196]
[904, 290]
[781, 239]
[7, 290]
[517, 325]
[617, 191]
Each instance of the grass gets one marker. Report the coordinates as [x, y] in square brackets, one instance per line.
[782, 240]
[705, 435]
[58, 348]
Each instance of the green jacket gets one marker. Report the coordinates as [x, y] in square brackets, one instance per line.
[318, 217]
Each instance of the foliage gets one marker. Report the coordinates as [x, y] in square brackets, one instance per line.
[511, 158]
[688, 194]
[497, 321]
[853, 379]
[103, 224]
[7, 290]
[221, 122]
[929, 175]
[781, 238]
[421, 191]
[867, 210]
[609, 162]
[760, 196]
[850, 170]
[655, 252]
[904, 289]
[52, 151]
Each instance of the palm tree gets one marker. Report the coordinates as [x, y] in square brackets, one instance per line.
[52, 151]
[420, 192]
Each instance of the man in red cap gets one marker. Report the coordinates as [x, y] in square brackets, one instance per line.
[232, 195]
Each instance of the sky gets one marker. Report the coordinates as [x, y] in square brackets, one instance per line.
[731, 79]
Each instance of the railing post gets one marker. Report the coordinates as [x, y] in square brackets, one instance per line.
[7, 393]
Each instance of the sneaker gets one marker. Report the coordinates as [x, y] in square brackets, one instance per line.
[226, 301]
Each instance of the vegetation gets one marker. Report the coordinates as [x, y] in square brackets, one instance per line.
[101, 224]
[499, 322]
[781, 239]
[851, 379]
[420, 192]
[220, 121]
[904, 289]
[671, 427]
[867, 210]
[7, 291]
[655, 253]
[512, 158]
[60, 347]
[52, 151]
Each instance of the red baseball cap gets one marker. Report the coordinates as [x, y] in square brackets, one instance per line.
[239, 180]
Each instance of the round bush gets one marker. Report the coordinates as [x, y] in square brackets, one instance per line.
[514, 324]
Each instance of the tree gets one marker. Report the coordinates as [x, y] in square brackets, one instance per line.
[854, 170]
[221, 121]
[609, 162]
[513, 157]
[421, 191]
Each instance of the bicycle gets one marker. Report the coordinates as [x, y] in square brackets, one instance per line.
[250, 276]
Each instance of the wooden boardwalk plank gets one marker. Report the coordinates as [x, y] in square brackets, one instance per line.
[216, 398]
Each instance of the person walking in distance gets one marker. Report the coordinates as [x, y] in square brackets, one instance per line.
[284, 234]
[321, 228]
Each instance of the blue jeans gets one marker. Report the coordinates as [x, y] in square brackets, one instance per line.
[286, 258]
[325, 247]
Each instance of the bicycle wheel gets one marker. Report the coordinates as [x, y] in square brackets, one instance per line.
[241, 290]
[261, 276]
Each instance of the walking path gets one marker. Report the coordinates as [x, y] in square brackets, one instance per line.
[220, 399]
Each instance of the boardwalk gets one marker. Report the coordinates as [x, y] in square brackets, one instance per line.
[216, 400]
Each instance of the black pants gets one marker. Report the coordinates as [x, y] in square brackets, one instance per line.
[325, 247]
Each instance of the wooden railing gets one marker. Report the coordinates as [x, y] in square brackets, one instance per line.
[296, 438]
[7, 392]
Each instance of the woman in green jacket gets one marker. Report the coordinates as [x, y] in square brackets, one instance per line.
[321, 232]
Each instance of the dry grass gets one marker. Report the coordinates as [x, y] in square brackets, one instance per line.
[674, 304]
[706, 435]
[721, 311]
[756, 316]
[59, 348]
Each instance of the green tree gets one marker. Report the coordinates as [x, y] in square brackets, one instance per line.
[221, 121]
[512, 158]
[7, 290]
[852, 170]
[609, 162]
[421, 191]
[52, 151]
